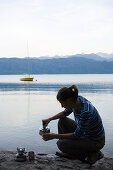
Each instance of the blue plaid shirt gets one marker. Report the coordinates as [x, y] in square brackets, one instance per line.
[88, 121]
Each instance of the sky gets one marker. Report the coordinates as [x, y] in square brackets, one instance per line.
[55, 27]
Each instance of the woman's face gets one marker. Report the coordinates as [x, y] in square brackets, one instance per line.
[67, 104]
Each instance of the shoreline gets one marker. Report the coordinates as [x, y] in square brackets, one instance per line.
[49, 162]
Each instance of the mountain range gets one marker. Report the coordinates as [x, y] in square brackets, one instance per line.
[73, 64]
[98, 56]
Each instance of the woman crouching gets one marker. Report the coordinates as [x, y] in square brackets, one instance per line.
[83, 137]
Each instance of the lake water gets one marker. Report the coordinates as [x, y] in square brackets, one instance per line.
[23, 105]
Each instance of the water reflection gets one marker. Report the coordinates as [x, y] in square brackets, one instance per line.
[28, 107]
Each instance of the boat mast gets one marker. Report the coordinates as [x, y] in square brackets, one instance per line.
[28, 59]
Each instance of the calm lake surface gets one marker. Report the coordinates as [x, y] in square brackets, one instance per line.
[23, 105]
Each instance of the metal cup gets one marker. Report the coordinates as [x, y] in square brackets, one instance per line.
[31, 155]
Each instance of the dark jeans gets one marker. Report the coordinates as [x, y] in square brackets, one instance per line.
[76, 146]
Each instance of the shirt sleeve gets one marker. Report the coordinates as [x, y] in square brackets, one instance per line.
[67, 112]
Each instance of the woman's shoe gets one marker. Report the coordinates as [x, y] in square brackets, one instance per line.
[62, 154]
[95, 156]
[80, 157]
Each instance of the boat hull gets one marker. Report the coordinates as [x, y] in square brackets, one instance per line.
[27, 79]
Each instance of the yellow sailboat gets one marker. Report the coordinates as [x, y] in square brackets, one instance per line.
[27, 78]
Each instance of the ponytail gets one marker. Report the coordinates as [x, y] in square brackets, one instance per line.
[74, 89]
[68, 92]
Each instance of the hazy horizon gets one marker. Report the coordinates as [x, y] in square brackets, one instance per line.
[100, 54]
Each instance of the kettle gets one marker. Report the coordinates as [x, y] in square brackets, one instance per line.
[43, 130]
[21, 155]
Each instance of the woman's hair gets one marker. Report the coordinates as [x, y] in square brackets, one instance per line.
[67, 92]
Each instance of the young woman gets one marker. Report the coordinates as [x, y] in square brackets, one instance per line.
[83, 137]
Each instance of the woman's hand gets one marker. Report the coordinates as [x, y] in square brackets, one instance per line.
[45, 122]
[48, 136]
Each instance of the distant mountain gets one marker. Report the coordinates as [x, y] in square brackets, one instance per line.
[106, 56]
[89, 56]
[98, 56]
[78, 64]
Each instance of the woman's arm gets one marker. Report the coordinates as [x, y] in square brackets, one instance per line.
[50, 136]
[57, 116]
